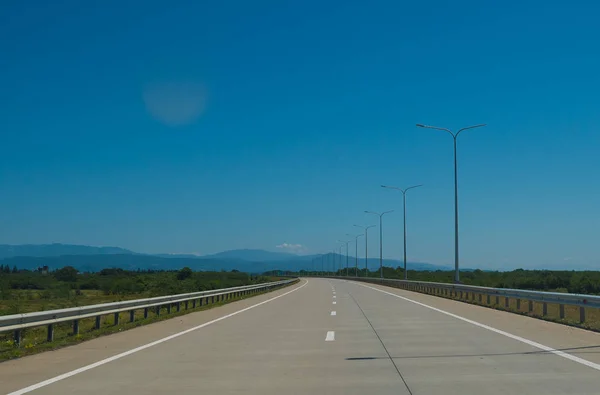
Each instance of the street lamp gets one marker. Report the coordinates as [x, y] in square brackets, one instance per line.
[322, 264]
[454, 136]
[355, 253]
[366, 228]
[341, 267]
[380, 239]
[347, 242]
[404, 206]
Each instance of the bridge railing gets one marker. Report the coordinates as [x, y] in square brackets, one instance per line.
[494, 296]
[19, 322]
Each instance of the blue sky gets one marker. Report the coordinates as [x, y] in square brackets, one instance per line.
[191, 126]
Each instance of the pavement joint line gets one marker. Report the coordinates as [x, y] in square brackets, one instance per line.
[498, 331]
[330, 336]
[382, 345]
[333, 313]
[143, 347]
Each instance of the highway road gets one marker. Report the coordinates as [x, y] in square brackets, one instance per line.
[325, 337]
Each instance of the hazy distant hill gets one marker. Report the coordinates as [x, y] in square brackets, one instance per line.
[253, 255]
[45, 250]
[94, 263]
[86, 258]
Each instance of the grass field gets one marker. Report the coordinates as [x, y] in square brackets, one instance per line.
[27, 301]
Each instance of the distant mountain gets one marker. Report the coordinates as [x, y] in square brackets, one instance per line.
[94, 263]
[86, 258]
[46, 250]
[252, 255]
[193, 256]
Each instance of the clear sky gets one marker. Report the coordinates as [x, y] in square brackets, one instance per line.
[197, 126]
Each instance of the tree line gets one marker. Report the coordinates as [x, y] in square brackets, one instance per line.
[67, 281]
[583, 282]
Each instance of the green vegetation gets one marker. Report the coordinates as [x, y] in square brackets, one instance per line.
[25, 291]
[584, 282]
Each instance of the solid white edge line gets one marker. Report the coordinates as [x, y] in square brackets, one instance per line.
[333, 313]
[501, 332]
[145, 346]
[330, 336]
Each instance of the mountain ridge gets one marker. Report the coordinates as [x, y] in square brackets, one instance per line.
[248, 260]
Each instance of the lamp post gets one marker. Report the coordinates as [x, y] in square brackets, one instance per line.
[366, 229]
[347, 242]
[355, 253]
[341, 267]
[322, 264]
[454, 137]
[380, 238]
[404, 208]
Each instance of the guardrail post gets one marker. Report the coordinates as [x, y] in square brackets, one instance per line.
[75, 327]
[561, 311]
[530, 306]
[145, 313]
[98, 318]
[213, 300]
[506, 302]
[545, 309]
[186, 304]
[18, 337]
[178, 308]
[169, 308]
[200, 302]
[480, 298]
[116, 321]
[497, 300]
[194, 304]
[518, 304]
[131, 315]
[50, 336]
[581, 314]
[157, 311]
[488, 299]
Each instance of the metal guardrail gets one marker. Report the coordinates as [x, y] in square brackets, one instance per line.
[18, 322]
[476, 293]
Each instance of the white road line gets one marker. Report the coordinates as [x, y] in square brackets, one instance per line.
[500, 332]
[330, 336]
[333, 313]
[145, 346]
[334, 296]
[334, 302]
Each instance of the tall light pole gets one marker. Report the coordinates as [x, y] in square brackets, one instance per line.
[322, 264]
[454, 137]
[355, 253]
[366, 229]
[380, 238]
[404, 206]
[330, 261]
[347, 242]
[341, 241]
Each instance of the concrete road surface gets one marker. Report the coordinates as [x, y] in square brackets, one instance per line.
[325, 337]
